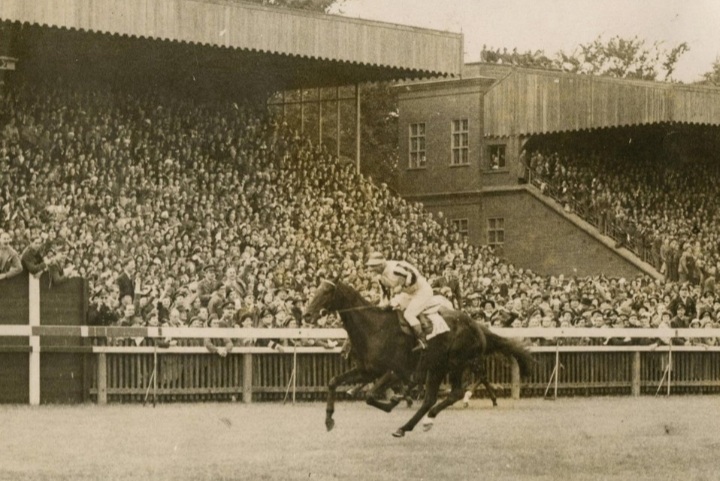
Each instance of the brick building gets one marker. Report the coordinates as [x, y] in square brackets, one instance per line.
[462, 140]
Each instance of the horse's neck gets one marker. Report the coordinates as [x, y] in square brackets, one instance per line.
[364, 329]
[361, 319]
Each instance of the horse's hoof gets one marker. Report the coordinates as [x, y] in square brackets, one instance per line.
[329, 424]
[399, 433]
[494, 404]
[409, 403]
[428, 424]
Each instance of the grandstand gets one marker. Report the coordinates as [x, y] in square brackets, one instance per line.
[137, 134]
[142, 145]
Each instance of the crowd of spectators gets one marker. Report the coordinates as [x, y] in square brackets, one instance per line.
[666, 215]
[182, 212]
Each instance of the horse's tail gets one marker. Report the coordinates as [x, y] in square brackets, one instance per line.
[510, 348]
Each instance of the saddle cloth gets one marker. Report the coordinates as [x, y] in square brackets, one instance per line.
[431, 318]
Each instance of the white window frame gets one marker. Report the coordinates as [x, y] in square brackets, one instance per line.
[417, 154]
[460, 142]
[496, 231]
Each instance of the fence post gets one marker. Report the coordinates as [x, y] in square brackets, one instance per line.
[102, 378]
[515, 380]
[247, 377]
[636, 374]
[34, 320]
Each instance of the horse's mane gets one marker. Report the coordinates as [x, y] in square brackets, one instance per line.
[353, 295]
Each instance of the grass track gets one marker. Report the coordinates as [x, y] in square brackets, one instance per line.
[582, 438]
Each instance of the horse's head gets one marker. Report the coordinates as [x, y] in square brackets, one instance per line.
[322, 302]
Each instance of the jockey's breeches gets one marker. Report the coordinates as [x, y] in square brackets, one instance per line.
[417, 302]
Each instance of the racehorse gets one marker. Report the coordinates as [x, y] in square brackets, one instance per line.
[382, 350]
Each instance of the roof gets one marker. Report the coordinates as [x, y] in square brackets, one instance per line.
[376, 50]
[527, 101]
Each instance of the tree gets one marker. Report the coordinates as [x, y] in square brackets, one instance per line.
[712, 78]
[623, 58]
[529, 59]
[312, 5]
[379, 143]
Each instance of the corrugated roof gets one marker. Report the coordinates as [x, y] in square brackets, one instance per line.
[412, 52]
[532, 101]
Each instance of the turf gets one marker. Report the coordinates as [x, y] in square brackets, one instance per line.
[616, 438]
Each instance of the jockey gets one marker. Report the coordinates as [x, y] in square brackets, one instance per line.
[409, 290]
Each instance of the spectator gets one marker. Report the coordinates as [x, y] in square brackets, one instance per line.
[221, 347]
[126, 280]
[208, 286]
[32, 257]
[683, 299]
[10, 263]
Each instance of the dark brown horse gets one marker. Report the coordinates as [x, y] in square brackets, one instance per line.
[380, 349]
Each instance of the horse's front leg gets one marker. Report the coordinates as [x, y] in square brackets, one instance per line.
[352, 376]
[432, 386]
[456, 393]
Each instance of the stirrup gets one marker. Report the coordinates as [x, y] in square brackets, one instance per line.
[421, 346]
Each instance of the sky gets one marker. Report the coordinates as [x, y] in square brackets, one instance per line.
[553, 25]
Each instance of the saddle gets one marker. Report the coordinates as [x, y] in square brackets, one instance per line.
[425, 323]
[438, 307]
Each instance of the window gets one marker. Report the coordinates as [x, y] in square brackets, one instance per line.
[459, 145]
[417, 146]
[496, 155]
[496, 231]
[461, 226]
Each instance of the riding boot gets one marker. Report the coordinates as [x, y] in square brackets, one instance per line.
[422, 342]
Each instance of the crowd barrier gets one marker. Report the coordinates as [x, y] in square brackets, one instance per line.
[189, 372]
[47, 356]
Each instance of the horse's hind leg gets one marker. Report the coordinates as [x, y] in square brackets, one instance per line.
[469, 393]
[352, 376]
[432, 386]
[372, 399]
[481, 375]
[490, 390]
[456, 393]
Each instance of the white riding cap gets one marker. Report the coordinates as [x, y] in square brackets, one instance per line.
[375, 259]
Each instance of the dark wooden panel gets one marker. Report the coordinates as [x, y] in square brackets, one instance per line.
[62, 378]
[14, 301]
[14, 378]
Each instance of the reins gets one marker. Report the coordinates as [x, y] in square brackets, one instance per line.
[349, 309]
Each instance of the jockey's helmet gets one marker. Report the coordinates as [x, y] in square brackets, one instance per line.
[375, 259]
